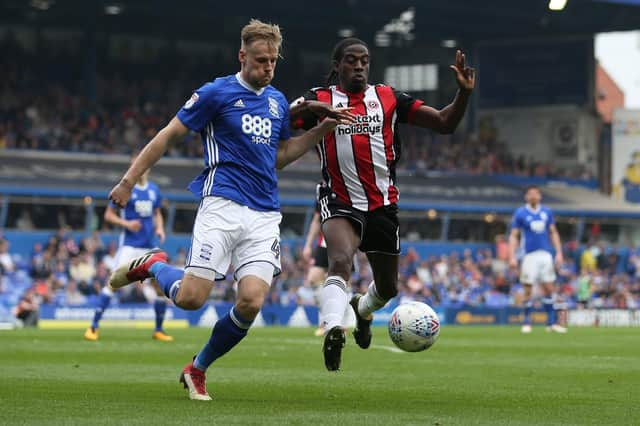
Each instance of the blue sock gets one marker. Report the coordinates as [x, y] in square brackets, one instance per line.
[103, 303]
[160, 306]
[168, 278]
[227, 333]
[528, 307]
[547, 302]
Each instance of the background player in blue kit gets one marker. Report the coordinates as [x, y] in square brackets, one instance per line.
[142, 221]
[244, 125]
[533, 223]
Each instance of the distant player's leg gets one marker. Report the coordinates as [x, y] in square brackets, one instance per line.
[528, 274]
[528, 307]
[123, 255]
[160, 309]
[104, 299]
[548, 278]
[550, 307]
[342, 243]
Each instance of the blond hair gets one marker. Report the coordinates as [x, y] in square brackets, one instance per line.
[258, 30]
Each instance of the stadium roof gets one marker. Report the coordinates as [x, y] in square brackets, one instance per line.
[320, 23]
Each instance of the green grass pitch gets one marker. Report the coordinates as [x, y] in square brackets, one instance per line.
[473, 375]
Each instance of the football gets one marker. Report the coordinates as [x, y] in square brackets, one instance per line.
[414, 326]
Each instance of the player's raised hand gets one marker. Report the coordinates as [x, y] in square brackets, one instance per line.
[559, 260]
[465, 76]
[121, 193]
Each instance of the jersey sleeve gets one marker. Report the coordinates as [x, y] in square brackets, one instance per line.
[159, 199]
[516, 221]
[305, 121]
[406, 106]
[285, 131]
[552, 220]
[199, 110]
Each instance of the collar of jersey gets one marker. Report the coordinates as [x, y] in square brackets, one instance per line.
[142, 186]
[247, 86]
[354, 94]
[534, 210]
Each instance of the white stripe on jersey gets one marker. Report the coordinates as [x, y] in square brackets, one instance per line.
[346, 160]
[376, 144]
[212, 147]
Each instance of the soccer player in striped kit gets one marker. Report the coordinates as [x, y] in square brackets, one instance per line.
[359, 203]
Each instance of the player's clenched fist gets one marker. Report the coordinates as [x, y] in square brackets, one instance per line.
[121, 193]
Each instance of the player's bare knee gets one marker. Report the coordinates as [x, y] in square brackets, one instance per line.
[189, 300]
[249, 307]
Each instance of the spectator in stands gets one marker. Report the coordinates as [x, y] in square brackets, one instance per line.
[28, 310]
[73, 296]
[7, 265]
[82, 268]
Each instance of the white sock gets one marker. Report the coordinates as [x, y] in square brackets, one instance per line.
[334, 300]
[370, 302]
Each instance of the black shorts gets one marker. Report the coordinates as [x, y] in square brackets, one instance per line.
[320, 257]
[378, 229]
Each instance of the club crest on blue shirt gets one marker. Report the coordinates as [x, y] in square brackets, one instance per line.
[192, 100]
[274, 107]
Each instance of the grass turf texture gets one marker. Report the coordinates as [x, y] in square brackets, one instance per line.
[473, 375]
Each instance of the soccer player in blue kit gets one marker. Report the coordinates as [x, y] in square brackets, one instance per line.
[533, 223]
[141, 220]
[244, 125]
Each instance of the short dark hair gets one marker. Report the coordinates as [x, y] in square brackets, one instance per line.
[338, 54]
[530, 187]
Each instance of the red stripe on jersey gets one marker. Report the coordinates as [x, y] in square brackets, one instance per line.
[389, 103]
[332, 166]
[412, 111]
[361, 145]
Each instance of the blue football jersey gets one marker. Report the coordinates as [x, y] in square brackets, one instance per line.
[534, 228]
[143, 202]
[240, 128]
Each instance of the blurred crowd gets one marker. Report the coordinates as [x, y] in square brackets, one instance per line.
[481, 153]
[43, 106]
[64, 271]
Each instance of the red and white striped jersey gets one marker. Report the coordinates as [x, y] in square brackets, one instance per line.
[358, 160]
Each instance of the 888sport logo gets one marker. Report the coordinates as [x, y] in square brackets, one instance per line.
[259, 128]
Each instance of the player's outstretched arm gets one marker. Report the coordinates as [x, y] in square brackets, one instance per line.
[301, 108]
[158, 223]
[314, 230]
[447, 119]
[149, 155]
[112, 217]
[513, 245]
[291, 149]
[557, 244]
